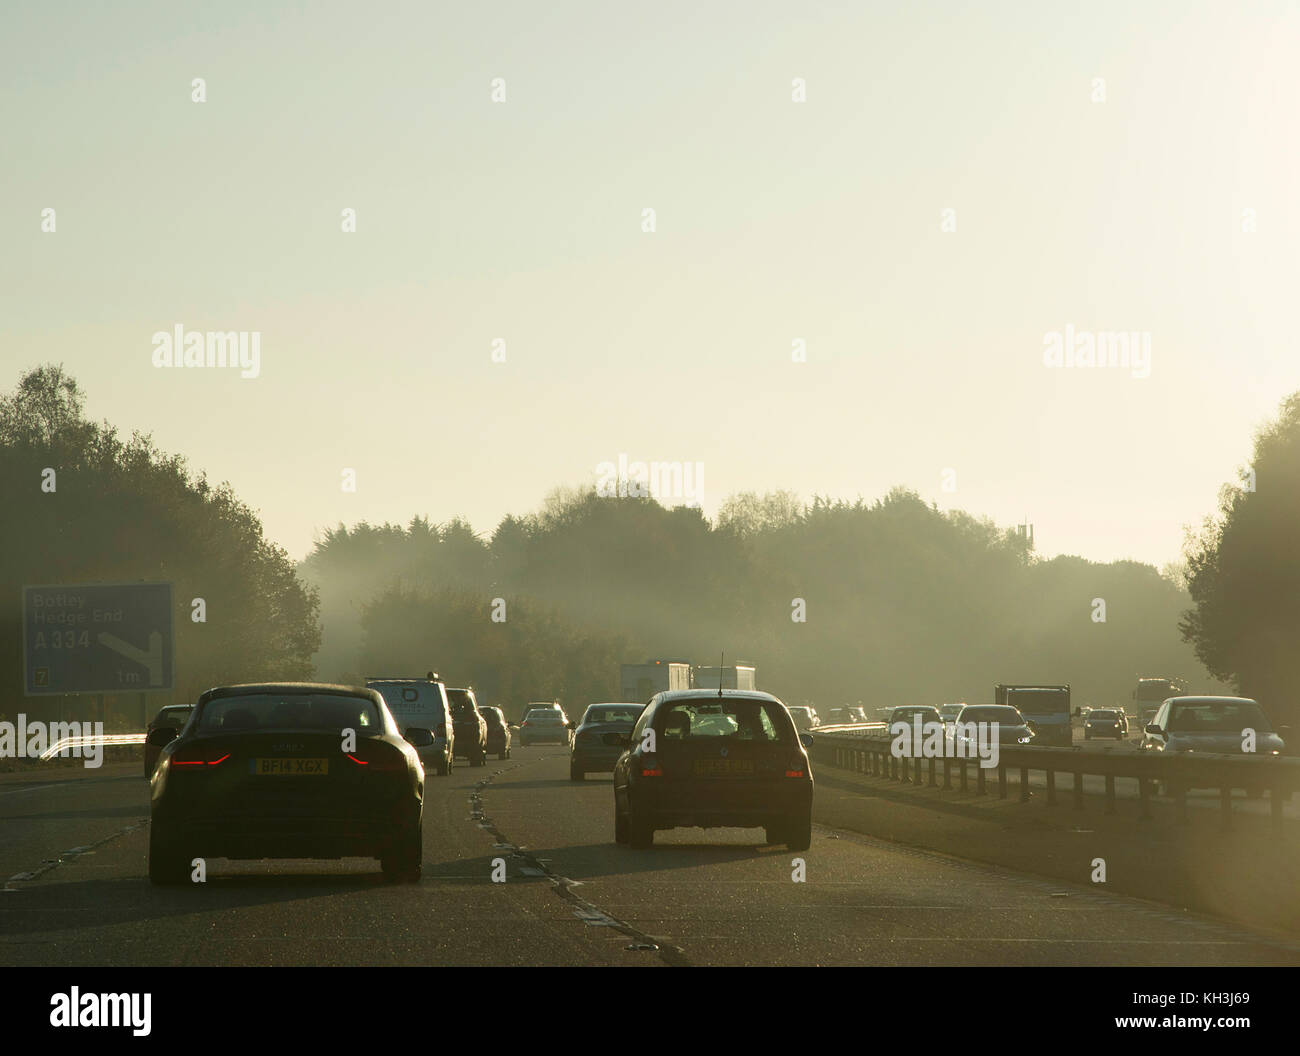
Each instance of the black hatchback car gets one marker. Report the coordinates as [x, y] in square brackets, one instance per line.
[471, 732]
[700, 758]
[590, 752]
[172, 716]
[288, 770]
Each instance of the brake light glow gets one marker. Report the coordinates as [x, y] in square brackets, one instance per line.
[379, 755]
[200, 762]
[794, 768]
[650, 767]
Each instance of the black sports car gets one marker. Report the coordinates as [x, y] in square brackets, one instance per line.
[287, 770]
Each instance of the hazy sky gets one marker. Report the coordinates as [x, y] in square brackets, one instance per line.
[776, 220]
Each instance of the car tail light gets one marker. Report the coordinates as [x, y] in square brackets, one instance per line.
[196, 755]
[795, 768]
[378, 756]
[650, 767]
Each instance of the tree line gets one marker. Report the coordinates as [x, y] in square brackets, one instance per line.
[886, 601]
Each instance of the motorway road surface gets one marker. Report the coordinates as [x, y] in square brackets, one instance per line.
[76, 892]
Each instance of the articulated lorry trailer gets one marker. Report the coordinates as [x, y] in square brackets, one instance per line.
[733, 676]
[639, 682]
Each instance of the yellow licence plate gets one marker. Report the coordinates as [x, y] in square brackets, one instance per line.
[723, 767]
[300, 767]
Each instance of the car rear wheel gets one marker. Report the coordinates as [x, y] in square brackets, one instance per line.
[640, 833]
[167, 864]
[403, 863]
[575, 774]
[798, 836]
[620, 826]
[775, 833]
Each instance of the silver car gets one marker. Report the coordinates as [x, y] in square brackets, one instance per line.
[1210, 724]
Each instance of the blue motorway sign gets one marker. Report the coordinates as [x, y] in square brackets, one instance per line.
[97, 638]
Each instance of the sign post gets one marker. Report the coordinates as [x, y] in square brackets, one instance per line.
[97, 638]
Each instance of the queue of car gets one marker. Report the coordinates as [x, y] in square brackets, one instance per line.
[310, 770]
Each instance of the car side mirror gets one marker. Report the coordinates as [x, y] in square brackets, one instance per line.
[1151, 727]
[418, 737]
[161, 736]
[617, 740]
[1030, 723]
[806, 739]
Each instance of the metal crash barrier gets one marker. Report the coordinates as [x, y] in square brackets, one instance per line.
[865, 748]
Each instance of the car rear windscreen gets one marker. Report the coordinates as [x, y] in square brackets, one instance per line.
[742, 720]
[290, 711]
[172, 716]
[411, 702]
[612, 714]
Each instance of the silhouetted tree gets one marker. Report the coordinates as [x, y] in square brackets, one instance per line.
[1243, 573]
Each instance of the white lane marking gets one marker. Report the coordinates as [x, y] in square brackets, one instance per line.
[33, 788]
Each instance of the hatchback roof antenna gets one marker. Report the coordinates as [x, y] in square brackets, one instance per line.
[721, 664]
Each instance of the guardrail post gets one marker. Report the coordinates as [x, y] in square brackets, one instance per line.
[1024, 784]
[1002, 780]
[1078, 790]
[1110, 793]
[979, 780]
[1051, 788]
[947, 772]
[1225, 801]
[903, 774]
[917, 776]
[934, 781]
[893, 765]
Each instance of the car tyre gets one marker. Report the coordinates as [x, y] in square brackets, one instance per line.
[403, 863]
[798, 837]
[167, 865]
[640, 833]
[575, 774]
[621, 834]
[775, 832]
